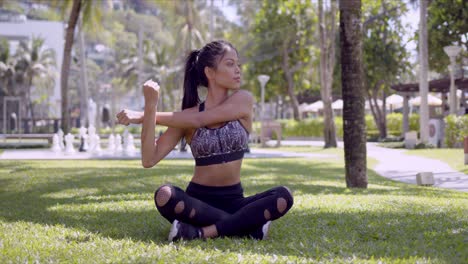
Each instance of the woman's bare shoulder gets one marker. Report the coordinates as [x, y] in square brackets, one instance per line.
[241, 97]
[243, 94]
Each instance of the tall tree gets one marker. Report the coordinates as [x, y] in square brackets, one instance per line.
[283, 33]
[69, 37]
[327, 64]
[354, 126]
[446, 25]
[385, 56]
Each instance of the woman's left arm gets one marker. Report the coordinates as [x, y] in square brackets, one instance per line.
[238, 106]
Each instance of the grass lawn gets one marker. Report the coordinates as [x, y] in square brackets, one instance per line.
[103, 212]
[455, 158]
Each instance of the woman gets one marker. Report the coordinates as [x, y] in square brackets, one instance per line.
[217, 131]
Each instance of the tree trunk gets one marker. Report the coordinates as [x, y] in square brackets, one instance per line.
[327, 61]
[70, 32]
[378, 114]
[423, 62]
[383, 120]
[30, 103]
[288, 72]
[84, 79]
[354, 126]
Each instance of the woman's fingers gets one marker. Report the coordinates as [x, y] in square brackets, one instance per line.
[122, 118]
[150, 83]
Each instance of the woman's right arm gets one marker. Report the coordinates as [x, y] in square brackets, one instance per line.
[163, 146]
[152, 150]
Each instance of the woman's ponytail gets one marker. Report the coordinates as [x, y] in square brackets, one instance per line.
[191, 81]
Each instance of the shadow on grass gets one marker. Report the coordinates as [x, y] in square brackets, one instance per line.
[115, 199]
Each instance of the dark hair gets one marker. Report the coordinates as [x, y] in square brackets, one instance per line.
[197, 60]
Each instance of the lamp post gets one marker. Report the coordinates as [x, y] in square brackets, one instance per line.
[263, 79]
[452, 52]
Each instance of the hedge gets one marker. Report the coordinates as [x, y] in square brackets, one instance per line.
[314, 127]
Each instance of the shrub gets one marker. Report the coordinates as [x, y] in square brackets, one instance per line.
[313, 127]
[423, 146]
[413, 122]
[456, 128]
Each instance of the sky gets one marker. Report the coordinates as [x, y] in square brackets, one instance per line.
[412, 19]
[228, 10]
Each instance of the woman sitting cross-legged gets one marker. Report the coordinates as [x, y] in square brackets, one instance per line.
[217, 131]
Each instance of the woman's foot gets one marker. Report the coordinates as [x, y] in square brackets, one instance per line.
[183, 231]
[261, 233]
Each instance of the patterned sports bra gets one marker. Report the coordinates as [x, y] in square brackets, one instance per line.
[219, 145]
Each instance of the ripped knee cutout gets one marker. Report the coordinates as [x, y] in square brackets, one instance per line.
[163, 196]
[267, 214]
[179, 207]
[281, 205]
[192, 213]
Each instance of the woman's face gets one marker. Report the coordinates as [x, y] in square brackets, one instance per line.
[228, 74]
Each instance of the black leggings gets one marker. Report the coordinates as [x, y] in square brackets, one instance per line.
[226, 207]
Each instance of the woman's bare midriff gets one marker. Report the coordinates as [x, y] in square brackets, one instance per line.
[224, 174]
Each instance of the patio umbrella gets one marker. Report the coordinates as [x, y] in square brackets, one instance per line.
[431, 100]
[302, 107]
[394, 101]
[314, 107]
[337, 105]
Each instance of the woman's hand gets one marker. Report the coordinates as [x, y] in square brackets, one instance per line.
[126, 117]
[151, 92]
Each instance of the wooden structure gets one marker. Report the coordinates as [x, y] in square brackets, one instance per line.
[436, 86]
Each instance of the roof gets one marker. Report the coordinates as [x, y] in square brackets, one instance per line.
[437, 86]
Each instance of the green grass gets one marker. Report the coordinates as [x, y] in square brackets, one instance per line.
[455, 158]
[103, 212]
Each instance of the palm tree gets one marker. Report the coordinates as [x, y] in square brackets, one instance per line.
[33, 62]
[65, 71]
[187, 21]
[7, 70]
[354, 126]
[157, 60]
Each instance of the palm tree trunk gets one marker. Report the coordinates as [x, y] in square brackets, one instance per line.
[354, 126]
[423, 62]
[83, 80]
[30, 103]
[69, 37]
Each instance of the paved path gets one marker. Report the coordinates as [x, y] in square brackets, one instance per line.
[396, 165]
[392, 163]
